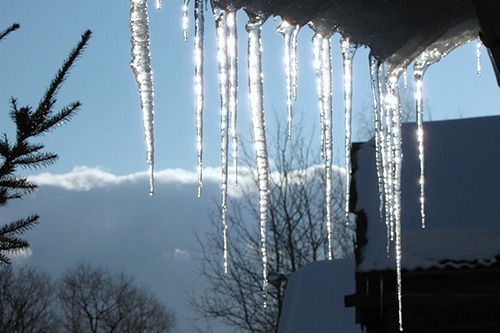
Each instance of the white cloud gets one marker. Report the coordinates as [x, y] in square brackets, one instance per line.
[181, 254]
[83, 178]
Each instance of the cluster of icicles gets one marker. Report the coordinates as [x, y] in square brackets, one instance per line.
[387, 113]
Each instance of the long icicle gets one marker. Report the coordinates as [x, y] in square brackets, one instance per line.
[255, 83]
[221, 31]
[199, 36]
[185, 19]
[317, 42]
[232, 47]
[379, 134]
[348, 50]
[326, 67]
[418, 71]
[287, 30]
[422, 62]
[386, 123]
[141, 66]
[392, 103]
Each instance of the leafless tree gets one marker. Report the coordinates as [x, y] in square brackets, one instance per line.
[26, 301]
[296, 235]
[95, 300]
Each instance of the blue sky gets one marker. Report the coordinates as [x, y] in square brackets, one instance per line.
[106, 139]
[108, 131]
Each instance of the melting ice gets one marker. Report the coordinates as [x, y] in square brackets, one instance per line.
[185, 20]
[290, 33]
[222, 58]
[255, 87]
[348, 50]
[199, 36]
[141, 66]
[232, 55]
[387, 112]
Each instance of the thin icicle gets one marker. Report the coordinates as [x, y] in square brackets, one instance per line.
[141, 66]
[232, 48]
[348, 50]
[317, 42]
[478, 56]
[185, 20]
[199, 36]
[418, 70]
[294, 60]
[222, 58]
[379, 134]
[405, 77]
[386, 150]
[255, 83]
[392, 103]
[158, 4]
[287, 30]
[326, 75]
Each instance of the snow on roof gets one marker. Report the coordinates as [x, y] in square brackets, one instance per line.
[314, 298]
[462, 161]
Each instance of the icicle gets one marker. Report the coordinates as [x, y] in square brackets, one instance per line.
[294, 61]
[478, 57]
[221, 31]
[158, 4]
[422, 62]
[430, 56]
[232, 48]
[185, 20]
[348, 50]
[418, 72]
[141, 66]
[287, 30]
[317, 42]
[255, 78]
[386, 150]
[199, 36]
[392, 103]
[326, 75]
[379, 134]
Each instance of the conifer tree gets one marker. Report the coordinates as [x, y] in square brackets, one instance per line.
[21, 153]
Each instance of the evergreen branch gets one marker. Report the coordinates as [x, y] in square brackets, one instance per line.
[7, 197]
[20, 226]
[3, 197]
[22, 117]
[49, 98]
[66, 114]
[4, 260]
[10, 29]
[12, 243]
[21, 183]
[29, 148]
[36, 161]
[4, 145]
[24, 154]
